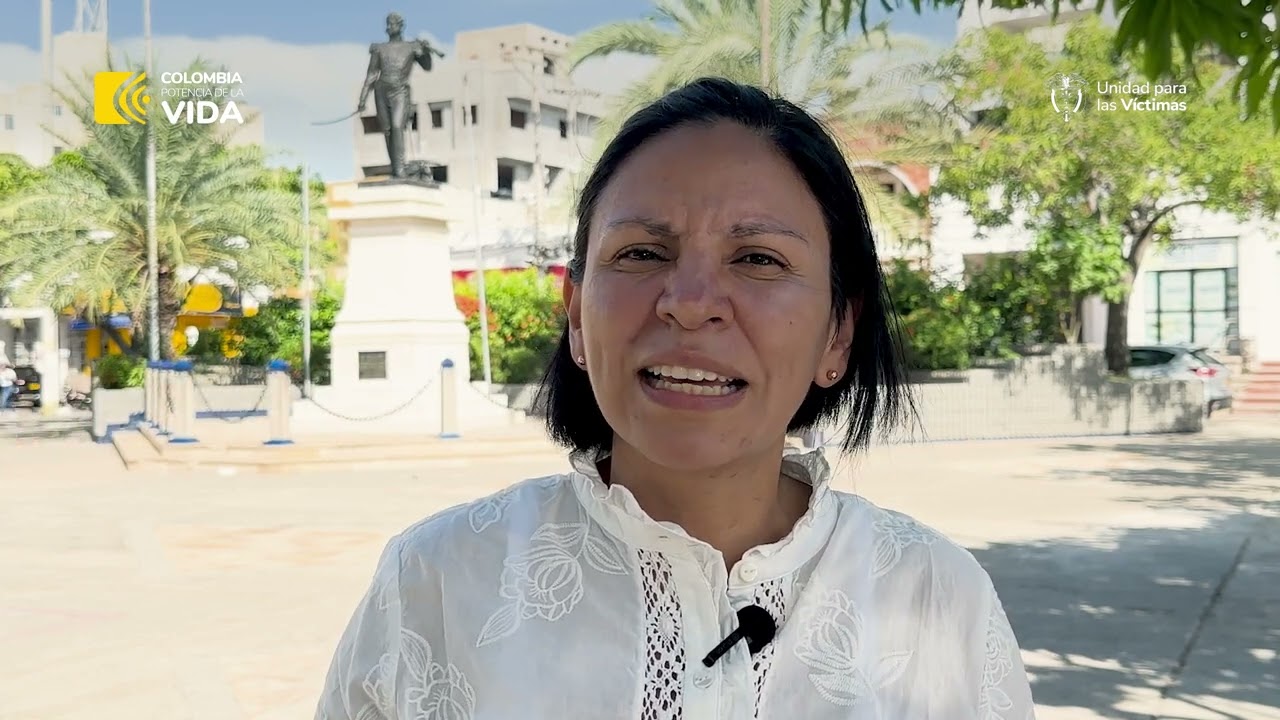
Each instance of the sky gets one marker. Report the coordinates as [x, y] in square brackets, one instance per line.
[303, 60]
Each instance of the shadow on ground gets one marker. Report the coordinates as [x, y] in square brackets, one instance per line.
[1201, 468]
[1109, 624]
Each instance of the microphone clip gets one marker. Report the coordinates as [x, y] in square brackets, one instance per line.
[755, 625]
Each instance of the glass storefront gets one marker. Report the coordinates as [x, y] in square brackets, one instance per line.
[1198, 306]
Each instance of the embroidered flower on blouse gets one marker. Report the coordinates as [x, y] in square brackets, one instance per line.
[545, 581]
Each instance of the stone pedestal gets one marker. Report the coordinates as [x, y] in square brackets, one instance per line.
[398, 322]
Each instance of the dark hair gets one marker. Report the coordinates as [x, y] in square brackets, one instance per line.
[874, 389]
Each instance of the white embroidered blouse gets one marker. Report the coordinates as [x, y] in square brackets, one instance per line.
[560, 598]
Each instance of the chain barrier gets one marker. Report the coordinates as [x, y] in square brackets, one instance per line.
[208, 406]
[379, 416]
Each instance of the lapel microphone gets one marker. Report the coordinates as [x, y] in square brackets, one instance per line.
[755, 625]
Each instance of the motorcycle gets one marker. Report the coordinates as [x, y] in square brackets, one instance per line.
[77, 400]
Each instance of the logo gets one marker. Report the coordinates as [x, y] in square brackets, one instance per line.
[194, 98]
[120, 98]
[1066, 93]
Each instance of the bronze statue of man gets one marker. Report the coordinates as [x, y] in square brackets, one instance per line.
[390, 66]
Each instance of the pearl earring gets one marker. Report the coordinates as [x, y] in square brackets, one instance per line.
[832, 374]
[582, 360]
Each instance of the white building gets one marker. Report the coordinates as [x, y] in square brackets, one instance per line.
[530, 120]
[1215, 284]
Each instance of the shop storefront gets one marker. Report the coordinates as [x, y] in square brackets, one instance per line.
[1218, 292]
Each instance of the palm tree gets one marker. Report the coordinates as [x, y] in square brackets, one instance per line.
[864, 86]
[77, 237]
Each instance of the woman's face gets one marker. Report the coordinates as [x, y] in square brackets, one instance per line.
[704, 313]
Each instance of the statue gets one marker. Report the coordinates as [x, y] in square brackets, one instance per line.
[390, 66]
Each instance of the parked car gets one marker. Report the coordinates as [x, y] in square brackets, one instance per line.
[28, 386]
[1179, 362]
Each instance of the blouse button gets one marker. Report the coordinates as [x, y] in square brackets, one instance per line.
[702, 681]
[748, 572]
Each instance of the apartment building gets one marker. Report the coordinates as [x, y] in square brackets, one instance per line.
[533, 130]
[1213, 285]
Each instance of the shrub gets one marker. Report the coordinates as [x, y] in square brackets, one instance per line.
[525, 315]
[120, 371]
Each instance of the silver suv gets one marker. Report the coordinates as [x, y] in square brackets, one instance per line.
[1184, 362]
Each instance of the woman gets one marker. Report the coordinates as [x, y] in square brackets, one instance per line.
[724, 291]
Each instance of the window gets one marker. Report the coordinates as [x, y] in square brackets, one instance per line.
[475, 115]
[586, 124]
[564, 128]
[519, 118]
[57, 111]
[437, 117]
[888, 187]
[1193, 306]
[58, 150]
[373, 365]
[1206, 358]
[1148, 358]
[8, 122]
[370, 125]
[506, 181]
[548, 66]
[440, 173]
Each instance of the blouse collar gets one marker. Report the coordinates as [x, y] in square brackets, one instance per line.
[615, 508]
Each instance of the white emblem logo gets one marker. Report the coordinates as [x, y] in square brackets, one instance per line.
[1066, 92]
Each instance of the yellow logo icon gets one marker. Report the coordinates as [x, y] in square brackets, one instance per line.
[120, 98]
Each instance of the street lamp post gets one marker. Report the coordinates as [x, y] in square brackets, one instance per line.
[153, 251]
[470, 120]
[539, 169]
[306, 281]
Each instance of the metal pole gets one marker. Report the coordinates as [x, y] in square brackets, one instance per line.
[539, 170]
[153, 250]
[475, 218]
[306, 281]
[51, 96]
[766, 77]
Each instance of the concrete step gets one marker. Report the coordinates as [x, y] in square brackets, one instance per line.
[37, 427]
[143, 448]
[1266, 404]
[1258, 411]
[135, 451]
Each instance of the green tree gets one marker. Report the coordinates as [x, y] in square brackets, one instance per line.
[1238, 29]
[16, 175]
[1117, 176]
[275, 333]
[78, 236]
[1005, 288]
[942, 327]
[1068, 264]
[1036, 297]
[525, 317]
[864, 86]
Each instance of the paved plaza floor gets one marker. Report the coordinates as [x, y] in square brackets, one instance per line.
[1142, 575]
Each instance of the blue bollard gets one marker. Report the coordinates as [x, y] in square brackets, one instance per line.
[184, 404]
[279, 403]
[448, 401]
